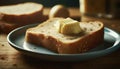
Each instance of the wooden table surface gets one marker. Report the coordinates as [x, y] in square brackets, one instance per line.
[13, 59]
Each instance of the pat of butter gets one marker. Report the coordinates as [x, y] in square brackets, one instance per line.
[68, 26]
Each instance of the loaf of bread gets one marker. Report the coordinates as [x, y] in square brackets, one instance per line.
[46, 35]
[12, 16]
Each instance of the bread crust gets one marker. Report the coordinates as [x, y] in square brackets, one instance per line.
[84, 44]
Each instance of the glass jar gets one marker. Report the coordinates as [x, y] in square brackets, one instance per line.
[100, 8]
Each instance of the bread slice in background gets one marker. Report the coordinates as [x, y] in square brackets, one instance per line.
[22, 13]
[13, 16]
[46, 35]
[6, 27]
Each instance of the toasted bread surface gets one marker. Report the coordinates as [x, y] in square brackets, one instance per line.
[47, 36]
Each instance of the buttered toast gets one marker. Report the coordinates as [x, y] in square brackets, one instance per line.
[46, 35]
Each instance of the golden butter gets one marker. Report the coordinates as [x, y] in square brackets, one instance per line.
[68, 26]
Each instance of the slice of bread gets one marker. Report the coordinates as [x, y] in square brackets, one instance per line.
[46, 35]
[6, 27]
[23, 13]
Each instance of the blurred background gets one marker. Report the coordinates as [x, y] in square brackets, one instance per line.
[46, 3]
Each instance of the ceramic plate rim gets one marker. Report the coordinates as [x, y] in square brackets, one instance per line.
[107, 50]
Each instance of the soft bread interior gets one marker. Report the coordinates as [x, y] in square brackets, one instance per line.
[48, 29]
[24, 8]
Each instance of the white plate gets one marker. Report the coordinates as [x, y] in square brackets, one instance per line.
[16, 39]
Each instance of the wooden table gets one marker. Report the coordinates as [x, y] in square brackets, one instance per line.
[12, 59]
